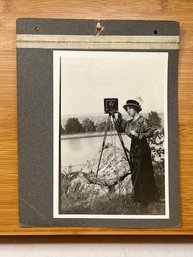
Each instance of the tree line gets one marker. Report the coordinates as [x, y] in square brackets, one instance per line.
[74, 126]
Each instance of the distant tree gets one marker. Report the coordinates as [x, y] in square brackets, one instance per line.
[62, 131]
[73, 126]
[88, 125]
[102, 126]
[154, 120]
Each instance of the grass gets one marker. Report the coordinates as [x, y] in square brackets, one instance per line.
[83, 203]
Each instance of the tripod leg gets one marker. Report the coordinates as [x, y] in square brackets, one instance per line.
[103, 146]
[121, 140]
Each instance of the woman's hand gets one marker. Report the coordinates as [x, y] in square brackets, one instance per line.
[134, 133]
[120, 116]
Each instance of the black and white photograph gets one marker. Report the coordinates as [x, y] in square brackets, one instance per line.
[110, 134]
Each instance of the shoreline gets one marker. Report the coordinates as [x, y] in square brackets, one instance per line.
[87, 135]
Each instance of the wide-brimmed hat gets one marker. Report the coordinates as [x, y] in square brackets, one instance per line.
[132, 103]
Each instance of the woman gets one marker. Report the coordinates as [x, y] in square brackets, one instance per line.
[138, 130]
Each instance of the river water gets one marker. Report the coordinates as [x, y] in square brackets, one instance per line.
[78, 150]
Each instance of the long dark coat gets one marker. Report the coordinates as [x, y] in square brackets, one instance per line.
[143, 180]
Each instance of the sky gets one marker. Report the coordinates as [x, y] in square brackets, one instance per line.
[87, 77]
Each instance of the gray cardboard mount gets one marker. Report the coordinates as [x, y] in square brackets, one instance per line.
[35, 122]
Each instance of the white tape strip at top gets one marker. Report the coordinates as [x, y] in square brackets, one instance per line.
[97, 42]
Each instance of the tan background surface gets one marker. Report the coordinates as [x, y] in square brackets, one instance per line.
[10, 10]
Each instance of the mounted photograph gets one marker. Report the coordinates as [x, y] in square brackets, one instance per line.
[110, 131]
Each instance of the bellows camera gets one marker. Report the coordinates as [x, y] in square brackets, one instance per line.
[110, 105]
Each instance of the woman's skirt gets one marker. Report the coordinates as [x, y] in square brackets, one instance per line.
[143, 180]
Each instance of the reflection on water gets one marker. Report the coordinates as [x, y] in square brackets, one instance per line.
[77, 151]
